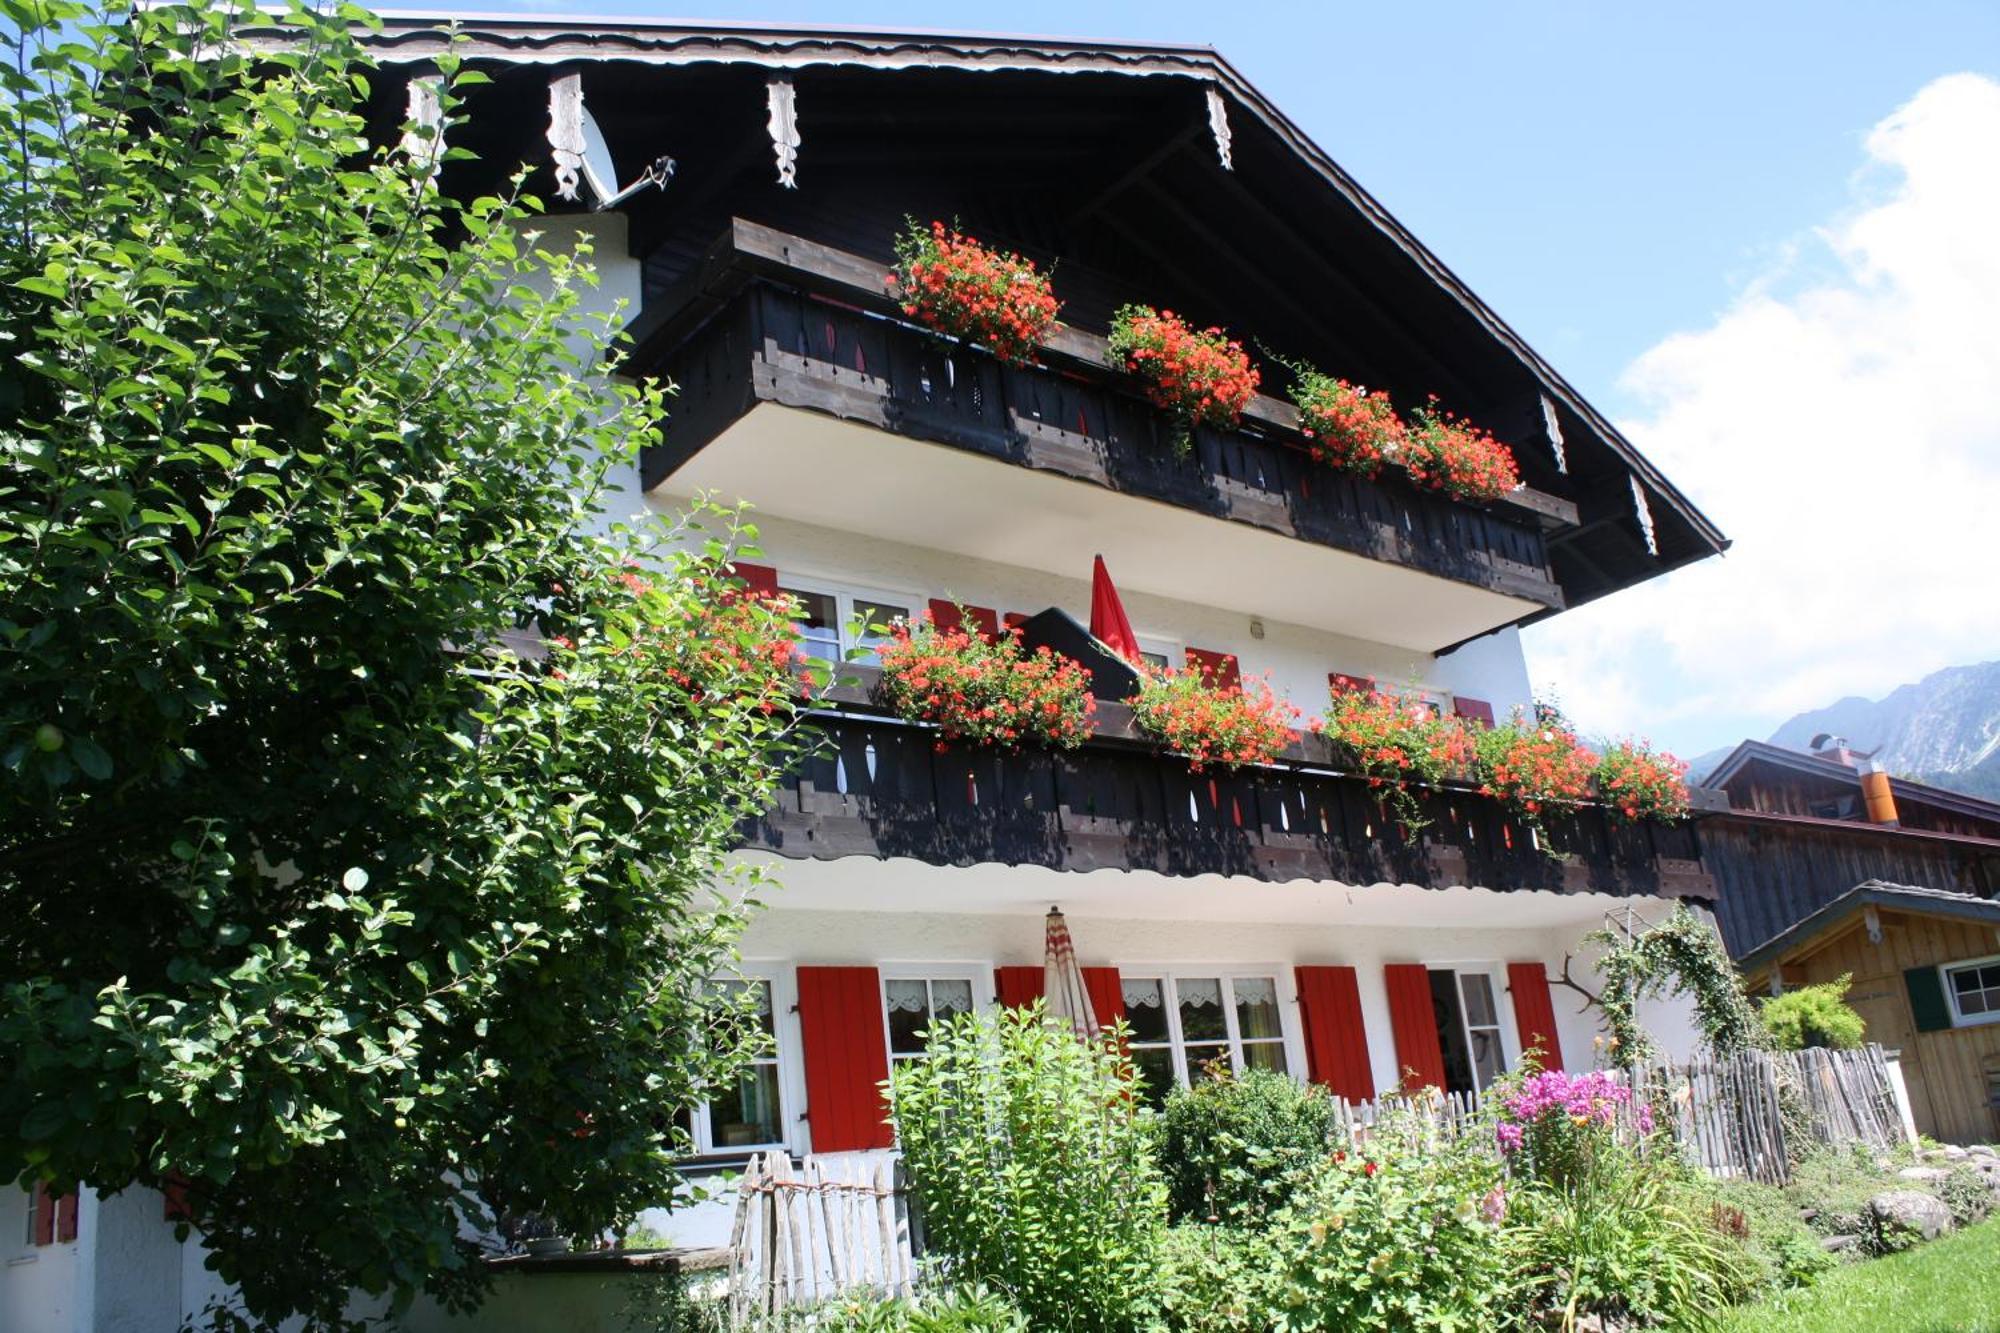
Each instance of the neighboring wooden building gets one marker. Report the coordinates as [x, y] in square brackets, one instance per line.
[1797, 834]
[1926, 969]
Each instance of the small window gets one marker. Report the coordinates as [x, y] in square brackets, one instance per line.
[1975, 990]
[1159, 654]
[914, 1004]
[1468, 1025]
[1183, 1025]
[832, 621]
[749, 1114]
[818, 623]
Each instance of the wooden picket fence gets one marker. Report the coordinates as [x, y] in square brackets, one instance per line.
[1726, 1116]
[808, 1234]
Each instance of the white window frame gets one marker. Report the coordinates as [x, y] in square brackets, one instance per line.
[1171, 649]
[1170, 976]
[783, 982]
[1960, 1019]
[845, 595]
[1504, 1026]
[977, 975]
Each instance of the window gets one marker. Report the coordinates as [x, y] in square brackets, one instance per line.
[833, 620]
[1975, 990]
[1468, 1029]
[750, 1114]
[914, 1003]
[1160, 653]
[1180, 1024]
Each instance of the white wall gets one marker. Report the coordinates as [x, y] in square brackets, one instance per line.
[1297, 659]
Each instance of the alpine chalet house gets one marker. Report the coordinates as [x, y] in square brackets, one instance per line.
[745, 188]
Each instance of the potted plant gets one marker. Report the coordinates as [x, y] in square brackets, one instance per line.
[1202, 377]
[1396, 743]
[1535, 764]
[950, 283]
[1443, 452]
[1346, 427]
[1225, 725]
[1636, 782]
[984, 693]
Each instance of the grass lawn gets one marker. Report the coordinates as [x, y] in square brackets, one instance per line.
[1948, 1286]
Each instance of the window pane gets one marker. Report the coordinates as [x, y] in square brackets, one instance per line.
[909, 1015]
[1265, 1055]
[1966, 979]
[875, 619]
[1489, 1060]
[1256, 1007]
[1477, 988]
[1155, 1068]
[1208, 1060]
[1201, 1010]
[1973, 1002]
[950, 999]
[818, 623]
[1450, 1019]
[747, 1113]
[1144, 1012]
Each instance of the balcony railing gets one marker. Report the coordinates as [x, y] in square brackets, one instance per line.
[880, 787]
[772, 318]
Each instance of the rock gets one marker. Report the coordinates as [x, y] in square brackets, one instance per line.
[1838, 1244]
[1899, 1219]
[1922, 1175]
[1982, 1150]
[1953, 1153]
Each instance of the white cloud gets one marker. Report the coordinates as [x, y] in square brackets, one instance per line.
[1840, 421]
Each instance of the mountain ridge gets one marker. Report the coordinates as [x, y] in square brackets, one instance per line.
[1943, 730]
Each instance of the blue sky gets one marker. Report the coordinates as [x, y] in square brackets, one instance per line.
[1628, 185]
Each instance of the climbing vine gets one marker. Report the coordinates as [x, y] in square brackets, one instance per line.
[1682, 954]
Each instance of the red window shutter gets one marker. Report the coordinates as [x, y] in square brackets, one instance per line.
[985, 620]
[1014, 619]
[761, 580]
[1342, 683]
[175, 1191]
[1534, 1012]
[847, 1057]
[66, 1217]
[1107, 994]
[1414, 1022]
[1019, 987]
[45, 1215]
[1473, 710]
[1336, 1038]
[1219, 669]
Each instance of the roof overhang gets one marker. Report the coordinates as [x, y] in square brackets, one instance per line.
[1853, 903]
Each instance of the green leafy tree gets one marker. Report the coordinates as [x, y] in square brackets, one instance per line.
[312, 897]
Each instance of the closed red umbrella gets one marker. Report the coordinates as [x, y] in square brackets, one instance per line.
[1067, 997]
[1107, 616]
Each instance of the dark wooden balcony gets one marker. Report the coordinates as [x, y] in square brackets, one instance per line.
[880, 787]
[770, 318]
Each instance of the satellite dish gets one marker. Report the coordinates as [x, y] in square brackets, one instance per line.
[601, 174]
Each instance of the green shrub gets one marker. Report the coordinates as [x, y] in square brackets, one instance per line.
[1401, 1233]
[1813, 1016]
[1630, 1239]
[1784, 1250]
[1217, 1279]
[1027, 1154]
[1965, 1192]
[1835, 1184]
[947, 1310]
[1236, 1147]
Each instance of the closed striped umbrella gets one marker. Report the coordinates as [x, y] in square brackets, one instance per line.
[1062, 981]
